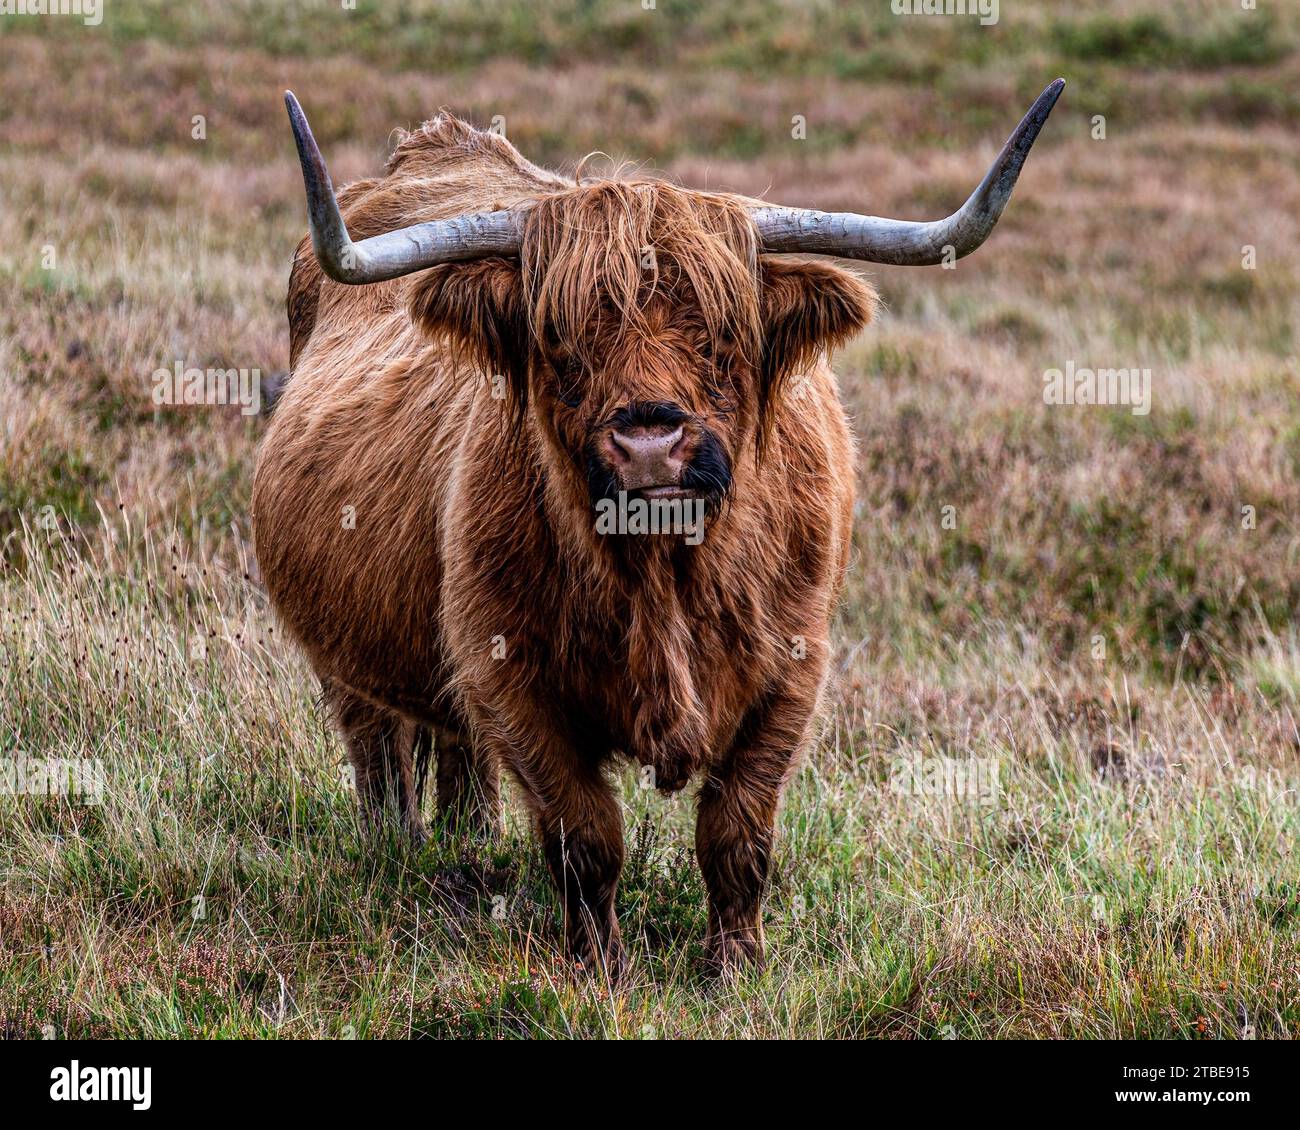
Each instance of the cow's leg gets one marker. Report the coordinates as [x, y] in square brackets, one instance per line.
[733, 840]
[580, 826]
[735, 828]
[379, 745]
[469, 796]
[581, 829]
[574, 810]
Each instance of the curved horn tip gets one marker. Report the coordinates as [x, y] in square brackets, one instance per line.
[294, 107]
[908, 243]
[1052, 92]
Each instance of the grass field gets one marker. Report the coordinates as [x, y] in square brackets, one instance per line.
[1094, 605]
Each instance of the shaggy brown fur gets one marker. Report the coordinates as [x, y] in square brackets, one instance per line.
[424, 514]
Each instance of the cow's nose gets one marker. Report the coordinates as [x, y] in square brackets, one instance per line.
[648, 457]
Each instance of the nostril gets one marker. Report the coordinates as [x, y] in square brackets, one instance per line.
[664, 445]
[677, 449]
[623, 447]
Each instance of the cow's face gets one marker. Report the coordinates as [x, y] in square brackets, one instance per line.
[644, 334]
[654, 409]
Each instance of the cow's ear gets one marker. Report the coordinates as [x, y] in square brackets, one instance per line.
[479, 307]
[807, 307]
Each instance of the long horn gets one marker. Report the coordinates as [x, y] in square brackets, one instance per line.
[904, 242]
[395, 253]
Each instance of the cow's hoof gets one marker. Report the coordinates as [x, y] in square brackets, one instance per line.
[611, 962]
[732, 954]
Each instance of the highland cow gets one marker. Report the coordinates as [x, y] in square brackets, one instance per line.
[525, 349]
